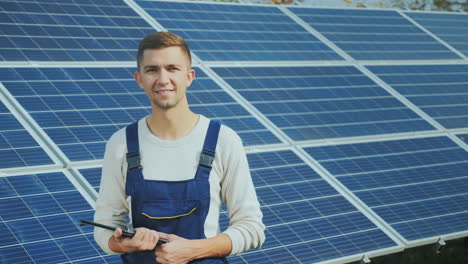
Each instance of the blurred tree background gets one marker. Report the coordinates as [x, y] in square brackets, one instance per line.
[432, 5]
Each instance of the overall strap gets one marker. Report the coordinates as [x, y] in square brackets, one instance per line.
[209, 146]
[133, 146]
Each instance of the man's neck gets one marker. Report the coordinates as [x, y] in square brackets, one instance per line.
[172, 125]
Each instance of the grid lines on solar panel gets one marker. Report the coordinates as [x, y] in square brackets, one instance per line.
[39, 221]
[374, 34]
[80, 108]
[439, 90]
[224, 32]
[449, 27]
[418, 186]
[17, 147]
[69, 31]
[93, 176]
[306, 219]
[322, 102]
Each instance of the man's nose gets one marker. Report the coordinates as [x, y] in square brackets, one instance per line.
[163, 77]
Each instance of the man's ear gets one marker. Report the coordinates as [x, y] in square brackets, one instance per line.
[137, 77]
[190, 76]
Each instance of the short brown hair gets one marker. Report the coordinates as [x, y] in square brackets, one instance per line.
[160, 40]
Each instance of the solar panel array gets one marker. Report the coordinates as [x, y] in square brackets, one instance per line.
[439, 90]
[374, 34]
[354, 120]
[322, 102]
[44, 225]
[70, 31]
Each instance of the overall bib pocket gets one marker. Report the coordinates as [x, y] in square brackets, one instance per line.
[179, 217]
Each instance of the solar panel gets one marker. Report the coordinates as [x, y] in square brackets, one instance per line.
[439, 90]
[80, 108]
[450, 27]
[374, 34]
[307, 220]
[419, 186]
[322, 102]
[49, 30]
[44, 226]
[17, 147]
[226, 32]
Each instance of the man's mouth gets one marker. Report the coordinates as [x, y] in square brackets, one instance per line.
[164, 91]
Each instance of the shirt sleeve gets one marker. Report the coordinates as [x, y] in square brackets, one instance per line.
[111, 204]
[246, 228]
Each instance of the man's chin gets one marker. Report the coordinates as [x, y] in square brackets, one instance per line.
[164, 105]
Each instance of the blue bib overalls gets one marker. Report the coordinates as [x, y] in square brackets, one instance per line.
[172, 207]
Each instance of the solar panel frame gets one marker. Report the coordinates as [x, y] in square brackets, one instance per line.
[45, 227]
[339, 157]
[364, 47]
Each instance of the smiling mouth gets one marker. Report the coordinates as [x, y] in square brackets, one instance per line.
[163, 92]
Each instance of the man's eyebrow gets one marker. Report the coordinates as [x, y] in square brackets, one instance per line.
[150, 66]
[157, 66]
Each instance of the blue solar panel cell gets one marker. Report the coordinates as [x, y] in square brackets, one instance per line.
[223, 32]
[70, 31]
[374, 34]
[17, 147]
[15, 254]
[450, 27]
[93, 176]
[412, 184]
[439, 90]
[28, 230]
[322, 102]
[46, 252]
[8, 237]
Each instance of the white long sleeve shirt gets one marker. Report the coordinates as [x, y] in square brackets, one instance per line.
[176, 160]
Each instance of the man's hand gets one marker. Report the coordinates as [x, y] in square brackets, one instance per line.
[179, 250]
[144, 239]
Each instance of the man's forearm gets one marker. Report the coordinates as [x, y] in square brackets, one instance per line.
[218, 246]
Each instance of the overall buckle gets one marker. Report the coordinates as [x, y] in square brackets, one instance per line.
[133, 160]
[206, 158]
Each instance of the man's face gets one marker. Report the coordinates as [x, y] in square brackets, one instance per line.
[165, 75]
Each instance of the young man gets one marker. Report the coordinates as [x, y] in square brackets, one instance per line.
[171, 171]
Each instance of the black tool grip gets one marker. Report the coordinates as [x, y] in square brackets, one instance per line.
[124, 232]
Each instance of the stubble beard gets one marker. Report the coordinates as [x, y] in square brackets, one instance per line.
[164, 105]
